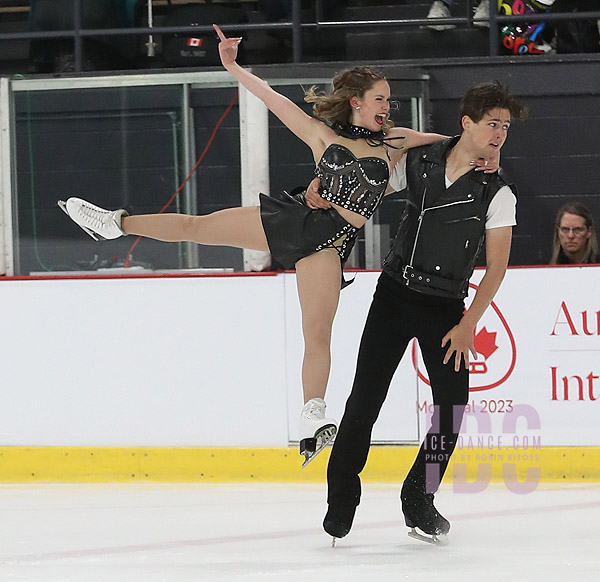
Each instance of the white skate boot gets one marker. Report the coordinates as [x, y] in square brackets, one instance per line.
[97, 222]
[316, 431]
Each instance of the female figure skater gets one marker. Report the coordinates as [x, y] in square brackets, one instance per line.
[355, 147]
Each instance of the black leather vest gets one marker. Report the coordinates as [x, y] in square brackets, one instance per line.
[441, 230]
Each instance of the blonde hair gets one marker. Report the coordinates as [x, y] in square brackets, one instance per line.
[335, 107]
[591, 245]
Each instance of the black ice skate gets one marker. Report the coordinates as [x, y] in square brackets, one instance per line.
[316, 431]
[338, 521]
[419, 512]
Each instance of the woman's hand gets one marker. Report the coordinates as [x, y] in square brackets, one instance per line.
[228, 47]
[487, 165]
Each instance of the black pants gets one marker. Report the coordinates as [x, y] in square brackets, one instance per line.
[397, 315]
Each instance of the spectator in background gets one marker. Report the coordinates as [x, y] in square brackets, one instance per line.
[575, 239]
[275, 10]
[577, 36]
[281, 11]
[441, 9]
[57, 55]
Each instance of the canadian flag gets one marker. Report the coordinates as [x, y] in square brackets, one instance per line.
[194, 41]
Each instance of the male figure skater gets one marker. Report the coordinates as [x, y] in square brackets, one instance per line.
[450, 212]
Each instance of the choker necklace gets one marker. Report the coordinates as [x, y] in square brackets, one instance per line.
[355, 132]
[373, 138]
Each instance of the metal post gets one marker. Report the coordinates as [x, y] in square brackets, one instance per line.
[494, 36]
[296, 31]
[77, 41]
[151, 45]
[416, 114]
[190, 202]
[254, 151]
[6, 179]
[319, 12]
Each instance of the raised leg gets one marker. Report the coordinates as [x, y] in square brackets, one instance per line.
[234, 227]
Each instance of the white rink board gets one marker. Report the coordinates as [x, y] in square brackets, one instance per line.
[215, 361]
[144, 362]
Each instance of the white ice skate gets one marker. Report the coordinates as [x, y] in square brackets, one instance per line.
[316, 431]
[97, 222]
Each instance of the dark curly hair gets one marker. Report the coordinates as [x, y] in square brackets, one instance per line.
[483, 97]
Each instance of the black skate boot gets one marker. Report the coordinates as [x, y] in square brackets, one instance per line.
[419, 512]
[338, 521]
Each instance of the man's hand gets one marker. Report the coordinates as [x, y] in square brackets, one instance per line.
[313, 198]
[461, 343]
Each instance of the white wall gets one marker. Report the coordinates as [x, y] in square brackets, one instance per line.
[211, 361]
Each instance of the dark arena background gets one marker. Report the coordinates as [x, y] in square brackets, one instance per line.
[151, 391]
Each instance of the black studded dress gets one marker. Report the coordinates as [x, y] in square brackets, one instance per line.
[295, 231]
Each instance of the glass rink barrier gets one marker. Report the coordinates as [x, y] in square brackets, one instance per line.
[190, 142]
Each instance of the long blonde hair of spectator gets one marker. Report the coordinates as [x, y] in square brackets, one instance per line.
[591, 248]
[335, 107]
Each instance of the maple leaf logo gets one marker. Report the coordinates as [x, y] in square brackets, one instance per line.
[485, 342]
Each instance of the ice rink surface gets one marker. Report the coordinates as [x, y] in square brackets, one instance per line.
[243, 532]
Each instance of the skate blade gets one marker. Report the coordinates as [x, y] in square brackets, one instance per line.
[429, 539]
[324, 438]
[63, 206]
[310, 455]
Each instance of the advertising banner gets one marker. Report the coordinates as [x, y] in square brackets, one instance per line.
[535, 382]
[536, 379]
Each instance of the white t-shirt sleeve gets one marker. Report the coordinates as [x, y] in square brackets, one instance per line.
[398, 178]
[502, 210]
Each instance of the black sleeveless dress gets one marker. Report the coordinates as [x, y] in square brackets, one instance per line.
[294, 230]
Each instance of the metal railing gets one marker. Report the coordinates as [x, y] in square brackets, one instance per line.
[295, 25]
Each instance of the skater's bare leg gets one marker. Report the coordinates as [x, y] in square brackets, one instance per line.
[234, 227]
[318, 278]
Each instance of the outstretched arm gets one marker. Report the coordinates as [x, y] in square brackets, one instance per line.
[413, 138]
[403, 138]
[307, 128]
